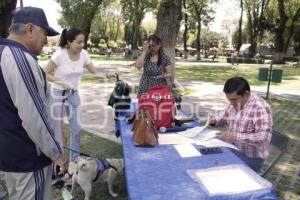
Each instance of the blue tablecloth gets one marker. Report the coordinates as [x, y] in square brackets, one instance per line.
[159, 173]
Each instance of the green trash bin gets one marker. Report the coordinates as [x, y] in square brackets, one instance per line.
[277, 75]
[263, 74]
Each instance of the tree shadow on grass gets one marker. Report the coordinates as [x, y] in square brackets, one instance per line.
[285, 175]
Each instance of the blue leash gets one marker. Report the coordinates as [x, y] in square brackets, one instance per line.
[82, 154]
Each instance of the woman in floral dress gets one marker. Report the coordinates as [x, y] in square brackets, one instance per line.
[155, 63]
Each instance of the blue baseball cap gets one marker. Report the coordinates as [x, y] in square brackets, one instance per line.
[34, 16]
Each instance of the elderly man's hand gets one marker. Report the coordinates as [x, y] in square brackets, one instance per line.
[62, 162]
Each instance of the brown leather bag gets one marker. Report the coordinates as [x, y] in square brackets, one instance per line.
[144, 131]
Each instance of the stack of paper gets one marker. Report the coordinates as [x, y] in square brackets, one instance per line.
[228, 180]
[187, 150]
[173, 138]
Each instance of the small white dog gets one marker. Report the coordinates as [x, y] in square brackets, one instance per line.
[89, 170]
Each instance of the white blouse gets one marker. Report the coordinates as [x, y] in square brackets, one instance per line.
[68, 70]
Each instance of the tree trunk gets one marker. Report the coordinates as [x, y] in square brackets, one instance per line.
[135, 29]
[279, 35]
[251, 32]
[255, 13]
[261, 22]
[117, 31]
[135, 37]
[86, 27]
[139, 14]
[239, 44]
[198, 40]
[185, 31]
[291, 29]
[168, 24]
[5, 15]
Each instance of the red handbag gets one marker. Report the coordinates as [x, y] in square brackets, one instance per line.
[159, 102]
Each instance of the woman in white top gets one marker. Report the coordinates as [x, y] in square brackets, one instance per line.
[64, 70]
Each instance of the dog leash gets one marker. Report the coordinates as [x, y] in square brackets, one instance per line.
[82, 154]
[64, 98]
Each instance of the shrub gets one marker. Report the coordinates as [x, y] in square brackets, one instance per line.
[112, 44]
[121, 43]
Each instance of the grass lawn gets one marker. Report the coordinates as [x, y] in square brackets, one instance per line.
[219, 74]
[286, 174]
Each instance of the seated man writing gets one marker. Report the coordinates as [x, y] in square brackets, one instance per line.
[249, 120]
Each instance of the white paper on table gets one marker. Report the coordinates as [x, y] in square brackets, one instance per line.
[214, 142]
[228, 180]
[187, 150]
[200, 133]
[192, 132]
[173, 138]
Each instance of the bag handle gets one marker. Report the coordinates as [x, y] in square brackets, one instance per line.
[149, 119]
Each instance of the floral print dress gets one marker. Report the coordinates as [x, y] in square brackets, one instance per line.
[151, 71]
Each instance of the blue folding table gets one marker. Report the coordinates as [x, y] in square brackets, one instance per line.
[159, 173]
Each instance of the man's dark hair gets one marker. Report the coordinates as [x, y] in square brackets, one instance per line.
[236, 84]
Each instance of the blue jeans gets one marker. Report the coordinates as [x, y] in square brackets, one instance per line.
[253, 163]
[72, 112]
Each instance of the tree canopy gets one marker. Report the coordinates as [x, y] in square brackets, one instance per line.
[80, 14]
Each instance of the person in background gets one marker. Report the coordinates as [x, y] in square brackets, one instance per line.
[64, 69]
[234, 57]
[28, 144]
[109, 52]
[249, 120]
[155, 63]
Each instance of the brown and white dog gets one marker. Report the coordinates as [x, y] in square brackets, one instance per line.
[88, 170]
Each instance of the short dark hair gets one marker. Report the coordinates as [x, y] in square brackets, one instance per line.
[68, 36]
[236, 84]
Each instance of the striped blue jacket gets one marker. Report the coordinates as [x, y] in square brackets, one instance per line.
[27, 140]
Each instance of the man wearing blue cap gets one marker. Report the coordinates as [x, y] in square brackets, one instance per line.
[28, 144]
